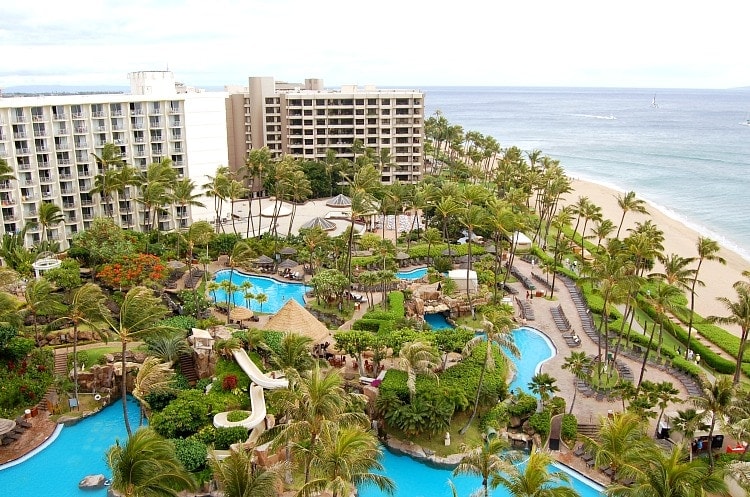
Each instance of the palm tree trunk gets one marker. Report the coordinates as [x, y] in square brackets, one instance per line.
[645, 358]
[75, 361]
[124, 387]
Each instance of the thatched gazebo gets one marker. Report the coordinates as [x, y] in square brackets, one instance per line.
[293, 317]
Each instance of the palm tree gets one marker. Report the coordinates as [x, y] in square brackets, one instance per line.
[314, 400]
[535, 479]
[601, 230]
[146, 466]
[629, 203]
[345, 459]
[708, 250]
[579, 364]
[620, 443]
[120, 182]
[41, 300]
[139, 316]
[110, 159]
[183, 196]
[293, 352]
[6, 172]
[168, 347]
[155, 185]
[257, 163]
[666, 474]
[665, 393]
[486, 461]
[739, 315]
[663, 300]
[717, 402]
[417, 358]
[261, 298]
[86, 307]
[431, 236]
[472, 218]
[153, 376]
[497, 327]
[217, 187]
[235, 191]
[544, 386]
[238, 475]
[49, 215]
[687, 422]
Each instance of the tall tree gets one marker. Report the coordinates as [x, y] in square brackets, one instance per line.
[739, 315]
[716, 402]
[146, 466]
[486, 460]
[534, 479]
[620, 443]
[184, 196]
[238, 475]
[578, 363]
[110, 158]
[49, 215]
[41, 300]
[139, 315]
[629, 203]
[417, 358]
[708, 250]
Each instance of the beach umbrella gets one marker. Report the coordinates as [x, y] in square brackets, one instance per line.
[339, 200]
[402, 256]
[6, 426]
[264, 260]
[240, 314]
[288, 263]
[319, 222]
[271, 210]
[288, 251]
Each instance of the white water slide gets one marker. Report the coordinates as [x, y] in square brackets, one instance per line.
[257, 398]
[255, 374]
[257, 416]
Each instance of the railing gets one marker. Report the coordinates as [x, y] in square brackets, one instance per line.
[20, 134]
[59, 117]
[37, 118]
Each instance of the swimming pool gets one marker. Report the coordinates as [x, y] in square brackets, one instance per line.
[415, 479]
[414, 274]
[535, 349]
[437, 321]
[278, 292]
[78, 451]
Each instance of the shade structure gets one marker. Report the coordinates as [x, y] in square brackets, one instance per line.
[6, 426]
[402, 256]
[295, 318]
[270, 211]
[339, 200]
[288, 263]
[240, 314]
[319, 222]
[288, 251]
[264, 260]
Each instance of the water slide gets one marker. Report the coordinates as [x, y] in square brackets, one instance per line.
[258, 415]
[257, 398]
[255, 374]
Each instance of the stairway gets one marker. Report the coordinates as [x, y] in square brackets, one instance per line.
[591, 431]
[61, 363]
[187, 367]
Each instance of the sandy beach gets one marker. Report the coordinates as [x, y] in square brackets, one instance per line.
[678, 239]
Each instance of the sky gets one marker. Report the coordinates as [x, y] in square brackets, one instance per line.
[406, 43]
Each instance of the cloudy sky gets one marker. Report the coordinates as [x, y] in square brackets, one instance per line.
[634, 43]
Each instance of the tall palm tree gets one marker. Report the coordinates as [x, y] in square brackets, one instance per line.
[667, 474]
[578, 363]
[314, 400]
[257, 164]
[535, 479]
[238, 475]
[6, 172]
[485, 460]
[472, 218]
[629, 203]
[739, 315]
[41, 300]
[139, 316]
[543, 384]
[155, 186]
[108, 160]
[299, 190]
[431, 236]
[362, 185]
[497, 325]
[708, 250]
[345, 459]
[235, 191]
[86, 307]
[146, 466]
[717, 401]
[217, 187]
[124, 178]
[49, 215]
[183, 196]
[417, 358]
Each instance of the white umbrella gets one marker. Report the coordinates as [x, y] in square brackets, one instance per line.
[270, 211]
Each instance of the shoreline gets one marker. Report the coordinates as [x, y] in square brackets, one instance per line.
[679, 238]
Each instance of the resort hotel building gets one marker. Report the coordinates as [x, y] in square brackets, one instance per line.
[50, 142]
[306, 121]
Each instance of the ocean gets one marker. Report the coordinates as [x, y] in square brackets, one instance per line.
[689, 156]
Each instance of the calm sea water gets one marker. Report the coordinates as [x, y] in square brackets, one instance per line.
[690, 155]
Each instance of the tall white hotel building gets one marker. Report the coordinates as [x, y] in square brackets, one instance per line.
[49, 141]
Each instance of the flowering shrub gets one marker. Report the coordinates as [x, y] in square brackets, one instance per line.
[229, 383]
[132, 270]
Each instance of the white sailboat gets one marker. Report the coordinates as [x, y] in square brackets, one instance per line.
[653, 102]
[747, 120]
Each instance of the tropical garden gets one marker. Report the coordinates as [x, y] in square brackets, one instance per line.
[324, 438]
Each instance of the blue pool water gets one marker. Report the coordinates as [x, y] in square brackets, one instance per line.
[414, 274]
[278, 292]
[414, 479]
[77, 452]
[535, 349]
[437, 321]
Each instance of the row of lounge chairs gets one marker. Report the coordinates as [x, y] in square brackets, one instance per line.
[688, 381]
[526, 310]
[525, 280]
[588, 457]
[587, 322]
[561, 320]
[193, 279]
